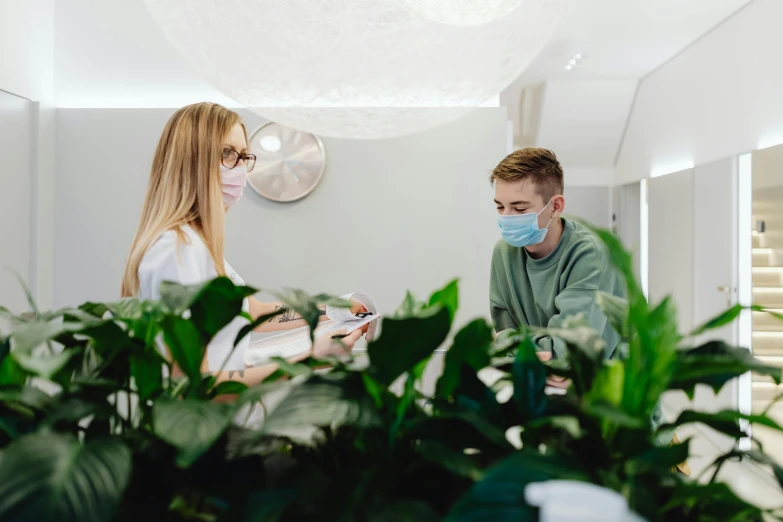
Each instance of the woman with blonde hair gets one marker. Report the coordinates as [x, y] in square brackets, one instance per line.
[199, 171]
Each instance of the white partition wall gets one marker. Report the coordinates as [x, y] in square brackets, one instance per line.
[628, 220]
[16, 178]
[592, 204]
[671, 240]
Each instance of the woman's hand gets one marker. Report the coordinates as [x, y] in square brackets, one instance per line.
[357, 307]
[326, 346]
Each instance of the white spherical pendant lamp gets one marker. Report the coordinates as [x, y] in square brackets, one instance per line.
[362, 69]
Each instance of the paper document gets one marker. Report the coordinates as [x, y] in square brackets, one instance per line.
[295, 342]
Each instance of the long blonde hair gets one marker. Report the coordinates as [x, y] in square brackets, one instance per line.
[184, 186]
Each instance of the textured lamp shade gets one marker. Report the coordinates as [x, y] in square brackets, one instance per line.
[464, 12]
[358, 68]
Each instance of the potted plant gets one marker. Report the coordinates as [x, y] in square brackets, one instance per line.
[94, 427]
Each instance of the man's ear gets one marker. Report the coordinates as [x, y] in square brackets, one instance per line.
[558, 204]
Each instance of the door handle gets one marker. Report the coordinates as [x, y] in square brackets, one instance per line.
[728, 291]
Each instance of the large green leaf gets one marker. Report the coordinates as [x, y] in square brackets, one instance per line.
[716, 363]
[764, 459]
[616, 310]
[26, 337]
[191, 426]
[404, 511]
[29, 396]
[256, 393]
[44, 365]
[410, 306]
[245, 330]
[726, 421]
[406, 342]
[218, 303]
[304, 305]
[460, 430]
[455, 461]
[470, 347]
[47, 476]
[608, 384]
[713, 502]
[729, 316]
[529, 377]
[721, 319]
[11, 374]
[500, 496]
[185, 344]
[212, 305]
[126, 309]
[147, 372]
[663, 458]
[265, 506]
[329, 400]
[229, 388]
[448, 298]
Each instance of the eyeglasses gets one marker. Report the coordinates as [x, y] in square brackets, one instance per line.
[231, 158]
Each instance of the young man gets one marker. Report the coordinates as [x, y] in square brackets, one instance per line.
[545, 268]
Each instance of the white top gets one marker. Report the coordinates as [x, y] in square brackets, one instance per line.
[188, 264]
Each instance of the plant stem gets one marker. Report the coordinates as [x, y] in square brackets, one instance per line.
[180, 386]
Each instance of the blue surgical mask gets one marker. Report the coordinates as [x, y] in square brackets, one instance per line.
[521, 230]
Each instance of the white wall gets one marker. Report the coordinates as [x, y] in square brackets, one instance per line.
[583, 121]
[409, 213]
[27, 70]
[390, 215]
[589, 203]
[16, 150]
[27, 48]
[720, 97]
[111, 54]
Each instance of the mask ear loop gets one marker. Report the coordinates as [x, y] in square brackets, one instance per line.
[550, 219]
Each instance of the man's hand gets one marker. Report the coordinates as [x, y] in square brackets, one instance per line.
[554, 381]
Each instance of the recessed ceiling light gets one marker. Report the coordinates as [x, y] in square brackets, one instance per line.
[573, 62]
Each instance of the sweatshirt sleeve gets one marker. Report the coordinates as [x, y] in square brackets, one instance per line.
[578, 297]
[501, 317]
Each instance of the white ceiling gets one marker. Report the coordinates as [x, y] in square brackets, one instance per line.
[583, 112]
[111, 54]
[625, 38]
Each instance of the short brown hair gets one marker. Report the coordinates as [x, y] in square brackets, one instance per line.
[538, 165]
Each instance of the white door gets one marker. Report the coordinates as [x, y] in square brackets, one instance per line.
[715, 247]
[692, 256]
[670, 250]
[16, 170]
[715, 244]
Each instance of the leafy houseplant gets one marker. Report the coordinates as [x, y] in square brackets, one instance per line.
[94, 426]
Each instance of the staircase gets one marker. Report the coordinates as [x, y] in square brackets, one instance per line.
[768, 292]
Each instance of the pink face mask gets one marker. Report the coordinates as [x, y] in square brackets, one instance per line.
[234, 181]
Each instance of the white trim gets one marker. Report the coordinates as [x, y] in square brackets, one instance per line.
[665, 170]
[644, 238]
[745, 284]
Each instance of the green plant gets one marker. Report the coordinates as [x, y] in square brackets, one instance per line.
[93, 428]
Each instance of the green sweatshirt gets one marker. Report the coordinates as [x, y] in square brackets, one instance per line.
[543, 292]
